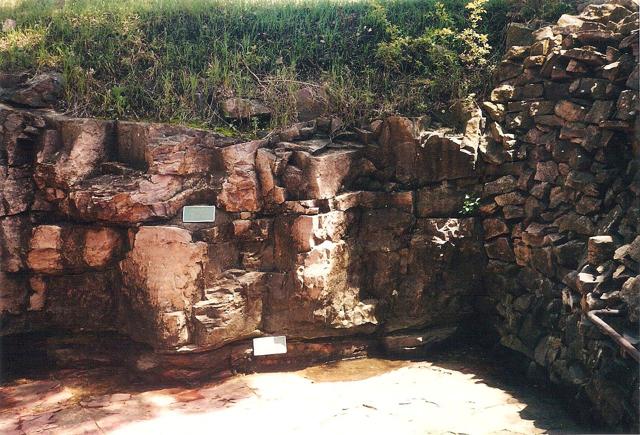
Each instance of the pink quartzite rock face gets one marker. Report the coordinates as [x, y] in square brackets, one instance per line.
[161, 278]
[15, 232]
[84, 143]
[16, 190]
[388, 231]
[319, 294]
[123, 199]
[239, 190]
[166, 149]
[420, 157]
[45, 249]
[14, 296]
[231, 309]
[318, 176]
[443, 259]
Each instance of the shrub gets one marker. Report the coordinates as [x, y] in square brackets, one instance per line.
[447, 61]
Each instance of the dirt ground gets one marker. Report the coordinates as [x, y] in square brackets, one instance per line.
[454, 394]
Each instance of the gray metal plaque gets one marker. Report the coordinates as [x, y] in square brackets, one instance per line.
[270, 345]
[198, 213]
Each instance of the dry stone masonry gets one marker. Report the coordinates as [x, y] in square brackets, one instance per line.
[561, 202]
[346, 242]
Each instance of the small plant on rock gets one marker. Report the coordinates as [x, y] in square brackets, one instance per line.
[470, 205]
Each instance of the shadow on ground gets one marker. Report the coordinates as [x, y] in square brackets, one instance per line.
[462, 390]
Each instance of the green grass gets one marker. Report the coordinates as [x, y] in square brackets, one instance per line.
[173, 60]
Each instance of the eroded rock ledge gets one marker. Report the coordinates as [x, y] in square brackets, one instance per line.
[350, 243]
[313, 237]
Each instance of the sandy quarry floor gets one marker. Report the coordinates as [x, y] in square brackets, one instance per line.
[368, 396]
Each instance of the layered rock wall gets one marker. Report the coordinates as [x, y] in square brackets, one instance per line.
[370, 236]
[561, 204]
[313, 237]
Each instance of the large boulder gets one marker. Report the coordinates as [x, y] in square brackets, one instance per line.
[161, 279]
[419, 157]
[167, 149]
[318, 176]
[41, 90]
[231, 309]
[83, 144]
[239, 190]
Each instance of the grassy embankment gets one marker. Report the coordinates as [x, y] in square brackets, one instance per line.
[174, 60]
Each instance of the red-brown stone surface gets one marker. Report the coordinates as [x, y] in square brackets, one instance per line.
[400, 229]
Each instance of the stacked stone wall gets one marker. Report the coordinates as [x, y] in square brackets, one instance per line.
[561, 203]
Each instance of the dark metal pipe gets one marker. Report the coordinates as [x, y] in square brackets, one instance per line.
[604, 327]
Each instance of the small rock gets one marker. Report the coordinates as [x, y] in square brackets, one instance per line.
[570, 111]
[500, 249]
[574, 222]
[513, 212]
[599, 249]
[588, 205]
[508, 70]
[8, 25]
[546, 171]
[505, 184]
[588, 55]
[519, 34]
[400, 343]
[567, 20]
[311, 102]
[517, 52]
[42, 90]
[587, 282]
[495, 110]
[626, 105]
[503, 94]
[630, 294]
[511, 198]
[600, 111]
[242, 108]
[494, 227]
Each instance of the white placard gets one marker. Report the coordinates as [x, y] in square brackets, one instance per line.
[199, 213]
[269, 345]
